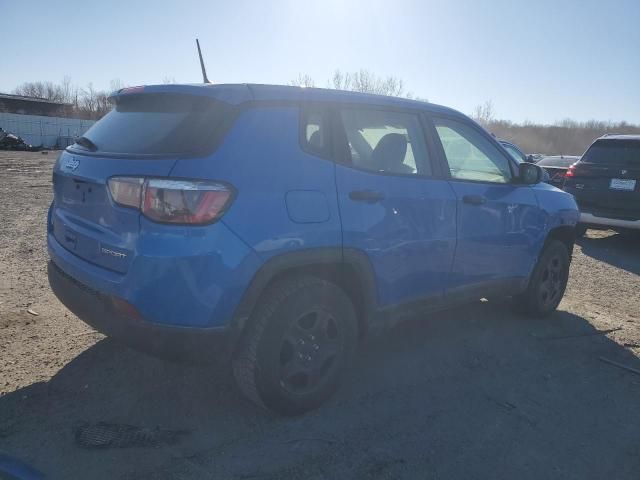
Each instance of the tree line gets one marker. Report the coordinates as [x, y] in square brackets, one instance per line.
[82, 102]
[363, 81]
[567, 137]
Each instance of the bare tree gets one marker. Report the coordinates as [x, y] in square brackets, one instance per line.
[116, 84]
[303, 80]
[69, 91]
[367, 82]
[46, 90]
[168, 80]
[483, 114]
[340, 81]
[102, 104]
[88, 99]
[85, 102]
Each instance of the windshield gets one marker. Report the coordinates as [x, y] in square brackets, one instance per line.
[157, 124]
[618, 152]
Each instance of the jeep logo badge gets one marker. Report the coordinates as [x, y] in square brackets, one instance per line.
[71, 163]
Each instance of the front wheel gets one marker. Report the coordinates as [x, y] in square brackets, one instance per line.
[548, 281]
[297, 345]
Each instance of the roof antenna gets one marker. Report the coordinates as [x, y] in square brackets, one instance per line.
[204, 71]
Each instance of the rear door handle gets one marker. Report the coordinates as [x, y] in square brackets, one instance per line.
[474, 199]
[368, 196]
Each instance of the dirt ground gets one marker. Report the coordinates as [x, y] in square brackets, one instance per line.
[477, 392]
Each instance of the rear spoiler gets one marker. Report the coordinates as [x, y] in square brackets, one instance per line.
[233, 94]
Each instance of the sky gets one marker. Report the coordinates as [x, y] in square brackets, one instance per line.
[535, 60]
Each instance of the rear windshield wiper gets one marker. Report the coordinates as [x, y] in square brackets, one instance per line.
[86, 143]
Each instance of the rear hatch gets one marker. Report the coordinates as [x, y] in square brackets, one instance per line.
[556, 167]
[606, 181]
[556, 175]
[143, 136]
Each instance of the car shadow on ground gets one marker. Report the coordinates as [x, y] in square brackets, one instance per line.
[619, 250]
[475, 392]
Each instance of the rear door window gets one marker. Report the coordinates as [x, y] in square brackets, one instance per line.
[160, 124]
[386, 141]
[614, 152]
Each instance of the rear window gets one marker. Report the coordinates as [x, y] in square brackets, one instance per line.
[160, 124]
[558, 161]
[618, 152]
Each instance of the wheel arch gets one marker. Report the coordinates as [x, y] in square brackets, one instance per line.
[349, 269]
[563, 233]
[566, 234]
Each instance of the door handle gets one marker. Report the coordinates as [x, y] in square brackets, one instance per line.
[474, 199]
[368, 196]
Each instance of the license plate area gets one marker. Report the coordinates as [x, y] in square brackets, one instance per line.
[622, 184]
[81, 193]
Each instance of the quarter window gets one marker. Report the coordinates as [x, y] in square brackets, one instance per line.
[315, 131]
[385, 141]
[470, 155]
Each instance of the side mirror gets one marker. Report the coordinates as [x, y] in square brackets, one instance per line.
[530, 159]
[530, 173]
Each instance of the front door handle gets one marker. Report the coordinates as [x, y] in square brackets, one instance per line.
[368, 196]
[474, 199]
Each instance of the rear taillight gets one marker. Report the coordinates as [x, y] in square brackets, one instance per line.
[126, 191]
[178, 201]
[189, 202]
[571, 171]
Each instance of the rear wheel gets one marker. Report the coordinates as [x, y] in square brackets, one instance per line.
[548, 281]
[297, 345]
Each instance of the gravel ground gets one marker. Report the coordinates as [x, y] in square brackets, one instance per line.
[477, 392]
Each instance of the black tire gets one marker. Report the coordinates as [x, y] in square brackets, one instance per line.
[581, 230]
[299, 340]
[547, 283]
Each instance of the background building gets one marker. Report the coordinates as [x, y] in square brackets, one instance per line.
[40, 121]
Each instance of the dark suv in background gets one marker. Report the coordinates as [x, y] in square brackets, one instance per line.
[606, 184]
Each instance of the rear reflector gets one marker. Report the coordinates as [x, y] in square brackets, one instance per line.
[125, 308]
[189, 202]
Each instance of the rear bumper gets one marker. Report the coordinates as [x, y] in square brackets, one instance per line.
[201, 345]
[178, 278]
[590, 219]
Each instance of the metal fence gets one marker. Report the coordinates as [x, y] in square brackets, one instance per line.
[46, 131]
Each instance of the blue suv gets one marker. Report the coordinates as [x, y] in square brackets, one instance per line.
[274, 226]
